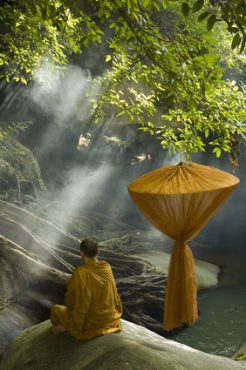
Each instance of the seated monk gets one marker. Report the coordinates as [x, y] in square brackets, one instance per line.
[92, 303]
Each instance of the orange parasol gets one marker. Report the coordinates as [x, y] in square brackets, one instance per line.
[179, 200]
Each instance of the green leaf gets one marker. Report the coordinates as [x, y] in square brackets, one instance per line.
[146, 3]
[236, 41]
[203, 87]
[211, 21]
[197, 5]
[185, 9]
[211, 59]
[108, 58]
[134, 15]
[156, 6]
[121, 113]
[192, 104]
[165, 3]
[203, 16]
[217, 152]
[243, 44]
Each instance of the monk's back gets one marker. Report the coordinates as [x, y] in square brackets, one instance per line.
[92, 303]
[105, 309]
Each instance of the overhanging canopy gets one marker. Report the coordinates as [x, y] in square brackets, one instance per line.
[179, 200]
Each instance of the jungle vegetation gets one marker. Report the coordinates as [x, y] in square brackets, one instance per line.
[167, 62]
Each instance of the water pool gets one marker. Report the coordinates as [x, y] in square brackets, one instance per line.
[221, 328]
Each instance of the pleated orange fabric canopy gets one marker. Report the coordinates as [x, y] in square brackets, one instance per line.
[179, 200]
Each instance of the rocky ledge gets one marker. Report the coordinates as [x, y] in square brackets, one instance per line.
[132, 349]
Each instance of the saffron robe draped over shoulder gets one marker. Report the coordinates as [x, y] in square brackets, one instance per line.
[92, 303]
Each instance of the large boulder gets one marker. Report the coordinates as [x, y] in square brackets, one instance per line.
[134, 348]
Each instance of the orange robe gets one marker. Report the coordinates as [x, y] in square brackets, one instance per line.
[92, 303]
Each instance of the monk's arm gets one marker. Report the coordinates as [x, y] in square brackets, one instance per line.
[70, 296]
[118, 303]
[82, 301]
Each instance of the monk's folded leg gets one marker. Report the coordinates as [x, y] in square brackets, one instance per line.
[58, 329]
[59, 318]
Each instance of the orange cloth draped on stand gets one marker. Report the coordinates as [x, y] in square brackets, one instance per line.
[179, 200]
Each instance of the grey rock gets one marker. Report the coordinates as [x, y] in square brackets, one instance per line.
[134, 348]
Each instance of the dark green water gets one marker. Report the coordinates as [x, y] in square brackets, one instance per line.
[221, 328]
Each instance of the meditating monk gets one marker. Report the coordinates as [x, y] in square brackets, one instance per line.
[92, 303]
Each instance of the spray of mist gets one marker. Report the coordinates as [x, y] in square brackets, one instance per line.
[61, 94]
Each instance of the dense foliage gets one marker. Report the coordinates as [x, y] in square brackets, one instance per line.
[163, 73]
[232, 12]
